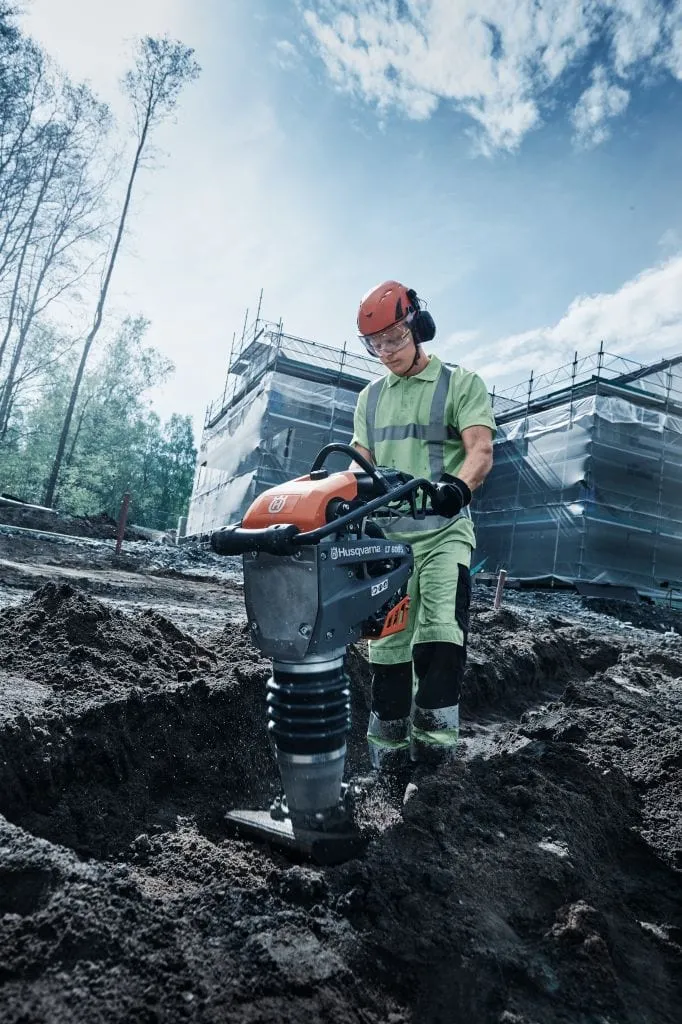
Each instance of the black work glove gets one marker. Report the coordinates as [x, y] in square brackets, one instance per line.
[451, 497]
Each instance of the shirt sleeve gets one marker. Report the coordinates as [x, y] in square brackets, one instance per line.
[360, 421]
[472, 407]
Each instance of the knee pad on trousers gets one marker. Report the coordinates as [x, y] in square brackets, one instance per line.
[388, 733]
[392, 690]
[439, 668]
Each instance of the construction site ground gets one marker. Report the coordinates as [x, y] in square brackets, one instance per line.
[537, 880]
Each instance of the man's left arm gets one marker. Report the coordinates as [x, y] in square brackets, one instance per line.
[476, 424]
[453, 493]
[478, 461]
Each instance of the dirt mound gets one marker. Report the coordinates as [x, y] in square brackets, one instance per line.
[517, 886]
[645, 616]
[70, 641]
[127, 710]
[31, 517]
[538, 884]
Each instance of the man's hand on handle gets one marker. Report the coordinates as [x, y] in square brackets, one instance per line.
[450, 497]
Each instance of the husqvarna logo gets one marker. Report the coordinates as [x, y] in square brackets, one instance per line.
[278, 503]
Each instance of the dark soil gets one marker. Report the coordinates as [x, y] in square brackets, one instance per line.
[646, 616]
[187, 583]
[535, 881]
[29, 517]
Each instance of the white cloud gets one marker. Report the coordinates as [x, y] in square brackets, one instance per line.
[457, 343]
[670, 242]
[496, 62]
[637, 29]
[673, 29]
[286, 55]
[642, 320]
[599, 103]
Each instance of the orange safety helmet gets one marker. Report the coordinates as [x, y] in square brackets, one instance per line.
[383, 306]
[391, 303]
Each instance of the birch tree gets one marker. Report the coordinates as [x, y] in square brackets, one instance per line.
[161, 68]
[65, 221]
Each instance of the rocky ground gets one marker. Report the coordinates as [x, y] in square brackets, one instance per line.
[536, 881]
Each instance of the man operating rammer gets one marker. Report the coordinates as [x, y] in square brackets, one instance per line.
[433, 421]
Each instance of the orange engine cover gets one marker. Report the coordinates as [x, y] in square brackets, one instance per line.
[302, 501]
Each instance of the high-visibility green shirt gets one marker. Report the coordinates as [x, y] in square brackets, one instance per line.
[406, 404]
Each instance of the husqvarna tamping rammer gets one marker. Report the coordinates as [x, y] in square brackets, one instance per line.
[319, 574]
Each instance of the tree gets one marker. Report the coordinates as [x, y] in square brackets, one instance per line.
[64, 222]
[162, 67]
[112, 424]
[116, 444]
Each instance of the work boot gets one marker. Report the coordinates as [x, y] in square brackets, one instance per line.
[391, 764]
[434, 736]
[388, 742]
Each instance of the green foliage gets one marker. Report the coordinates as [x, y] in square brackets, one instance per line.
[117, 443]
[76, 427]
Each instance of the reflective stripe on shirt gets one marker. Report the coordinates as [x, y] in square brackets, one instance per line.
[435, 433]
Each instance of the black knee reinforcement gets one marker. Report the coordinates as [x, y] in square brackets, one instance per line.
[392, 690]
[439, 668]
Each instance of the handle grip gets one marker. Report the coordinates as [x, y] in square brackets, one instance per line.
[276, 540]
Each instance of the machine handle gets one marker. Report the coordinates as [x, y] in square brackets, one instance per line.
[285, 538]
[404, 491]
[355, 456]
[276, 540]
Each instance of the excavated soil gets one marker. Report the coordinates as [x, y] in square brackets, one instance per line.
[535, 881]
[32, 517]
[191, 585]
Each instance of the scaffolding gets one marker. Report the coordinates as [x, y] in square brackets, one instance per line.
[587, 477]
[283, 399]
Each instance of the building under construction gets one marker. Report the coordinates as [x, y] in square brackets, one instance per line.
[284, 399]
[587, 480]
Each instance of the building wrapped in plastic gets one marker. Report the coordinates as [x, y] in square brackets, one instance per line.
[284, 399]
[587, 481]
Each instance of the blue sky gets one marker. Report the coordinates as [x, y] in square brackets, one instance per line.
[519, 163]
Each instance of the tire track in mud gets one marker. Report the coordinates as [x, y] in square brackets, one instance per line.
[536, 884]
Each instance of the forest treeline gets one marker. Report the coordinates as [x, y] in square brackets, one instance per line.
[77, 428]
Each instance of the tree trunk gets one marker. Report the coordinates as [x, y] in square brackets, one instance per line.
[50, 171]
[7, 399]
[66, 426]
[161, 68]
[72, 449]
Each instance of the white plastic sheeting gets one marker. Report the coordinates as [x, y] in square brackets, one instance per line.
[270, 435]
[223, 475]
[587, 490]
[218, 502]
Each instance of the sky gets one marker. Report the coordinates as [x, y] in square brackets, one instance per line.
[518, 162]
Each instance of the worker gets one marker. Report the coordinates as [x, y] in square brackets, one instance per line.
[435, 421]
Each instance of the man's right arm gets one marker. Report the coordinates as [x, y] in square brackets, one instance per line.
[363, 451]
[360, 439]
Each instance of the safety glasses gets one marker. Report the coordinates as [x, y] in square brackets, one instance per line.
[388, 342]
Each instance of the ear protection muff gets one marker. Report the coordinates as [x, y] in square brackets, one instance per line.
[423, 325]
